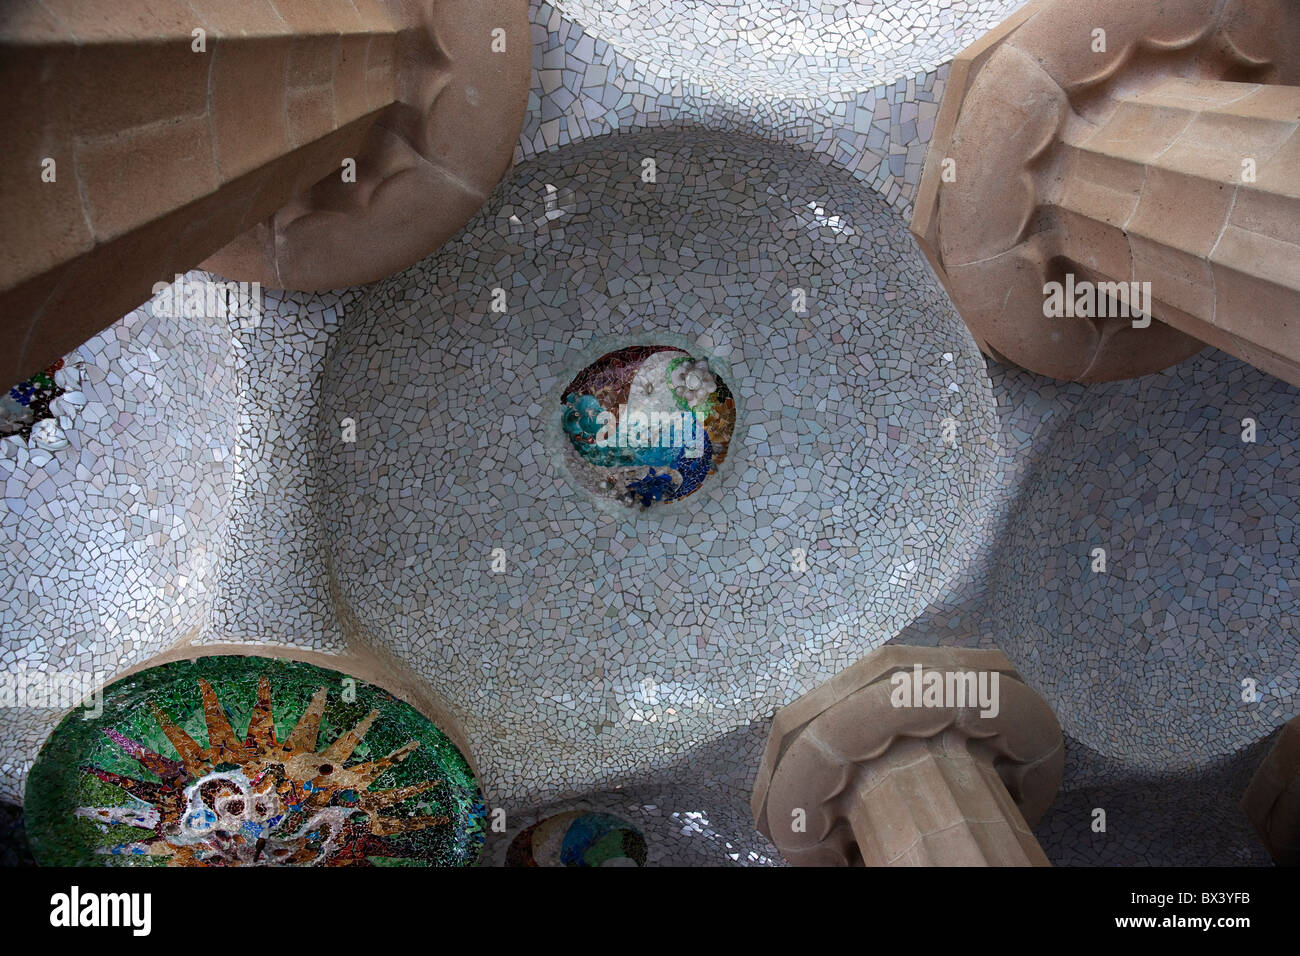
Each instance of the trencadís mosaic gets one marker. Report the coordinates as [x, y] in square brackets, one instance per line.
[578, 838]
[246, 761]
[647, 424]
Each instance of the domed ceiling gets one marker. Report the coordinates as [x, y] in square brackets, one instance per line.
[577, 638]
[1145, 579]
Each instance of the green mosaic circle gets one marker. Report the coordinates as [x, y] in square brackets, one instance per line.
[233, 760]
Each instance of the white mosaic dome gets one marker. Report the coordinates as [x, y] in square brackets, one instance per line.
[1153, 662]
[112, 543]
[807, 48]
[612, 641]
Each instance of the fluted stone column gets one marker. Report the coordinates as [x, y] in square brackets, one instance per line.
[866, 771]
[1272, 801]
[1118, 143]
[143, 137]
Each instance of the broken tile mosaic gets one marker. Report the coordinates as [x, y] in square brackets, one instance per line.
[245, 761]
[578, 838]
[647, 424]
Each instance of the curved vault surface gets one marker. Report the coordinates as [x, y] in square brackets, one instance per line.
[805, 49]
[111, 545]
[612, 640]
[1147, 663]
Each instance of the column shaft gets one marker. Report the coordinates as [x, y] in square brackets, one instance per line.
[1193, 186]
[931, 803]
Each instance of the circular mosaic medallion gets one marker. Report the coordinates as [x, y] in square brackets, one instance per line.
[647, 424]
[577, 838]
[238, 761]
[27, 405]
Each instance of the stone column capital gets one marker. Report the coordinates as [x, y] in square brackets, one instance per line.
[954, 729]
[299, 145]
[1110, 144]
[1272, 800]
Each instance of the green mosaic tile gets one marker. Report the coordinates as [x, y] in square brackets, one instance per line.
[230, 761]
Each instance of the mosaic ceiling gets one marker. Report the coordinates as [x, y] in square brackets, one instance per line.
[1183, 649]
[807, 48]
[610, 640]
[515, 519]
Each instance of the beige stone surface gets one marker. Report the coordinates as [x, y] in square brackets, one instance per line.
[425, 168]
[1123, 164]
[1272, 800]
[885, 785]
[167, 157]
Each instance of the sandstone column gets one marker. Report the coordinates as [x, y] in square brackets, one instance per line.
[143, 137]
[1122, 143]
[1272, 801]
[862, 771]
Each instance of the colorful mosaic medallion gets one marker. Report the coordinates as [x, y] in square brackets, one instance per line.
[647, 425]
[247, 761]
[27, 404]
[577, 838]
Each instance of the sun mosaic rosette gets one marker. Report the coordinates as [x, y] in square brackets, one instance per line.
[246, 761]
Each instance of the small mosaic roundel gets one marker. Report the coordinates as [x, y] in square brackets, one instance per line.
[577, 838]
[247, 761]
[647, 425]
